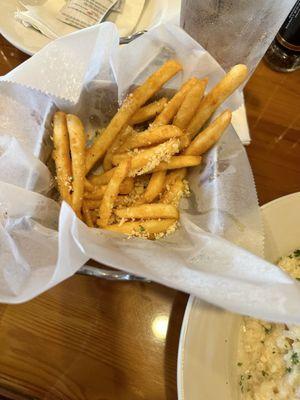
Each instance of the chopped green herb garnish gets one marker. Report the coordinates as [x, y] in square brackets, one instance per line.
[97, 133]
[239, 364]
[264, 373]
[288, 370]
[295, 358]
[249, 376]
[142, 229]
[297, 253]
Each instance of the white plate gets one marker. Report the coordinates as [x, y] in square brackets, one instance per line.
[208, 340]
[30, 41]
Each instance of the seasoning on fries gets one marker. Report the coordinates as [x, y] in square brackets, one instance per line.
[145, 150]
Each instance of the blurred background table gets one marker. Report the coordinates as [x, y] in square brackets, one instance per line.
[90, 339]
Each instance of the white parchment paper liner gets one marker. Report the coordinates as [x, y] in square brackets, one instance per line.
[208, 257]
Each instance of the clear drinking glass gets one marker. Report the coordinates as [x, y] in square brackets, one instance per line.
[234, 31]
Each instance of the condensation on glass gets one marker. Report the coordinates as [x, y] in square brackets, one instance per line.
[234, 31]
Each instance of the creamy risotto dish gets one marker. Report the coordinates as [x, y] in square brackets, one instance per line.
[269, 354]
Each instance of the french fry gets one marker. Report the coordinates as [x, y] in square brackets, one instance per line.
[131, 104]
[155, 186]
[146, 160]
[77, 146]
[88, 186]
[179, 162]
[148, 211]
[94, 215]
[62, 156]
[148, 112]
[87, 218]
[139, 228]
[185, 141]
[176, 174]
[173, 105]
[101, 179]
[174, 193]
[124, 134]
[151, 137]
[127, 185]
[209, 136]
[118, 158]
[92, 204]
[112, 191]
[190, 104]
[97, 194]
[217, 96]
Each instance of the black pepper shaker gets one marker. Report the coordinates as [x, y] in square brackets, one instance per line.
[284, 52]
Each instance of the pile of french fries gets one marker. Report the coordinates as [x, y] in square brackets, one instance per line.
[145, 151]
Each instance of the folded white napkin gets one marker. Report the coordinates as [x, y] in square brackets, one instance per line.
[240, 124]
[44, 17]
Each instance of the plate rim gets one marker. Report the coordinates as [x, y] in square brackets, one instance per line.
[27, 50]
[189, 306]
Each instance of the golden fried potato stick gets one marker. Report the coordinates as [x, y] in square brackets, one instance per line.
[190, 104]
[209, 136]
[140, 228]
[179, 162]
[127, 185]
[176, 174]
[97, 194]
[101, 179]
[124, 134]
[148, 211]
[131, 104]
[92, 204]
[185, 141]
[231, 81]
[173, 105]
[174, 193]
[148, 112]
[88, 186]
[77, 146]
[112, 191]
[87, 218]
[146, 160]
[94, 215]
[155, 186]
[62, 156]
[151, 137]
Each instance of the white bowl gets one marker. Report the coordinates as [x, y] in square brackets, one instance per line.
[206, 368]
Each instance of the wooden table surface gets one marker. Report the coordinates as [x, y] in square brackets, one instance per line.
[90, 339]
